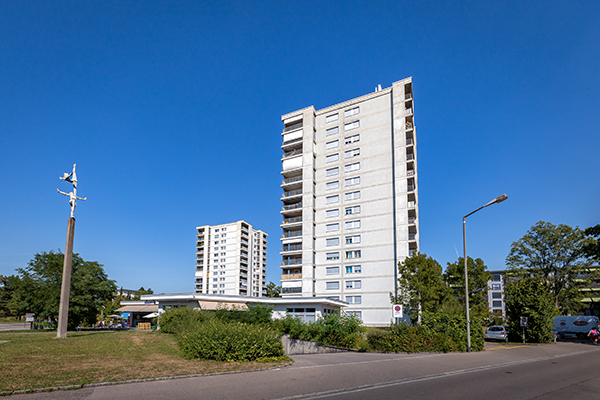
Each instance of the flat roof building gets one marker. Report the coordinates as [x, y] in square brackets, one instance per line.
[350, 200]
[231, 259]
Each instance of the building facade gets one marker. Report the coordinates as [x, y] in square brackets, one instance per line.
[496, 293]
[350, 200]
[231, 259]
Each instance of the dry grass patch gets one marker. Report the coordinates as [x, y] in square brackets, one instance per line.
[38, 360]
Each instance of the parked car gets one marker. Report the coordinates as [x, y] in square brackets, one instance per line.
[496, 332]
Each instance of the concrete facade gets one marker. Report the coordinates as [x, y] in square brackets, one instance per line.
[231, 259]
[350, 200]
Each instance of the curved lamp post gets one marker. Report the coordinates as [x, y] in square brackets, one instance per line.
[498, 199]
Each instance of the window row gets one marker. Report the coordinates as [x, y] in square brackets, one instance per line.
[347, 182]
[348, 113]
[336, 241]
[348, 225]
[348, 211]
[350, 269]
[336, 157]
[349, 255]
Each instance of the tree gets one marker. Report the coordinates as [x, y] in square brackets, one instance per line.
[555, 255]
[529, 297]
[273, 290]
[41, 283]
[140, 292]
[592, 249]
[11, 297]
[479, 276]
[421, 286]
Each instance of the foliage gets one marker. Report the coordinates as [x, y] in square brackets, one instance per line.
[529, 297]
[140, 292]
[225, 341]
[273, 290]
[40, 285]
[453, 324]
[410, 339]
[336, 329]
[555, 255]
[592, 249]
[182, 319]
[12, 301]
[255, 314]
[421, 286]
[496, 318]
[478, 283]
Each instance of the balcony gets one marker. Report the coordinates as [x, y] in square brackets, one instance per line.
[412, 236]
[408, 111]
[292, 261]
[411, 204]
[291, 247]
[293, 126]
[288, 207]
[412, 220]
[407, 96]
[292, 179]
[291, 220]
[292, 152]
[292, 193]
[409, 141]
[410, 156]
[408, 126]
[410, 172]
[291, 276]
[290, 234]
[292, 141]
[410, 188]
[287, 290]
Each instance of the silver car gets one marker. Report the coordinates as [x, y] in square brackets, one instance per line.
[496, 332]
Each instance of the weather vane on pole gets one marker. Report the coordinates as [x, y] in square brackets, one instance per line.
[72, 177]
[63, 310]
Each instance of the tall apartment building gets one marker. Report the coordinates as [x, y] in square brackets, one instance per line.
[231, 259]
[350, 200]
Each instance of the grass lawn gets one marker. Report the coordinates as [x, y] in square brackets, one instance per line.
[11, 320]
[39, 360]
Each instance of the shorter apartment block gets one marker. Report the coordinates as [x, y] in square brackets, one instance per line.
[496, 293]
[231, 259]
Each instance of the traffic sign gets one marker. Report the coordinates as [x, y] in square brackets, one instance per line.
[523, 321]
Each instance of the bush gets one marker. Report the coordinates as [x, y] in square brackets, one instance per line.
[410, 339]
[179, 320]
[454, 326]
[230, 341]
[256, 314]
[342, 330]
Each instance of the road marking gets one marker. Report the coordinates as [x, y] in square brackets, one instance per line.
[508, 347]
[362, 388]
[367, 362]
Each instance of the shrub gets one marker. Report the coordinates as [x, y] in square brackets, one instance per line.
[178, 320]
[405, 338]
[454, 326]
[256, 314]
[230, 341]
[342, 330]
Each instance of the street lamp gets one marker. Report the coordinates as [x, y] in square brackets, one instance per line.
[498, 199]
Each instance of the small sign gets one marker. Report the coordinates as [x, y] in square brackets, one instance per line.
[398, 311]
[523, 321]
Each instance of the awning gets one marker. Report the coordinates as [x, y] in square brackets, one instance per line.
[152, 315]
[139, 308]
[214, 305]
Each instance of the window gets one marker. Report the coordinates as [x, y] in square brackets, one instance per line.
[352, 181]
[332, 171]
[222, 279]
[224, 229]
[357, 314]
[352, 167]
[332, 157]
[216, 242]
[332, 227]
[352, 210]
[332, 213]
[353, 269]
[332, 199]
[496, 277]
[352, 195]
[332, 270]
[353, 284]
[215, 279]
[351, 125]
[332, 145]
[222, 260]
[496, 286]
[215, 267]
[352, 224]
[223, 235]
[352, 139]
[223, 254]
[333, 242]
[331, 118]
[333, 256]
[352, 153]
[223, 241]
[497, 303]
[353, 239]
[332, 131]
[217, 230]
[332, 185]
[496, 295]
[332, 285]
[216, 248]
[221, 285]
[216, 236]
[351, 112]
[353, 254]
[214, 286]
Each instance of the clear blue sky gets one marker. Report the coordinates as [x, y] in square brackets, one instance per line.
[171, 111]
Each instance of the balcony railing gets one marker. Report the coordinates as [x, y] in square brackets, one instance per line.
[292, 141]
[410, 188]
[407, 96]
[293, 126]
[291, 261]
[286, 290]
[408, 126]
[412, 220]
[291, 220]
[290, 234]
[412, 236]
[408, 111]
[409, 141]
[291, 247]
[410, 204]
[292, 193]
[291, 206]
[291, 276]
[410, 172]
[410, 156]
[292, 179]
[292, 153]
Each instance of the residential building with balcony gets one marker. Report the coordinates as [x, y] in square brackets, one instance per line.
[350, 200]
[231, 259]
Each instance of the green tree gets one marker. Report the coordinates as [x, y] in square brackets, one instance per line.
[421, 286]
[41, 284]
[555, 255]
[12, 301]
[479, 276]
[592, 249]
[140, 292]
[529, 297]
[273, 290]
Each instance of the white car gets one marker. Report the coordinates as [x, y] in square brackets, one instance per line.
[496, 332]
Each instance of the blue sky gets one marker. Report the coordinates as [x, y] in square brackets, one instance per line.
[171, 111]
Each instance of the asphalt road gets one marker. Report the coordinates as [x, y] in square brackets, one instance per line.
[553, 371]
[15, 327]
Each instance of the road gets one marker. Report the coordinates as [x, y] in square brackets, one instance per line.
[553, 371]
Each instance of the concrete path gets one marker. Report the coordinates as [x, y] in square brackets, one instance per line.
[15, 327]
